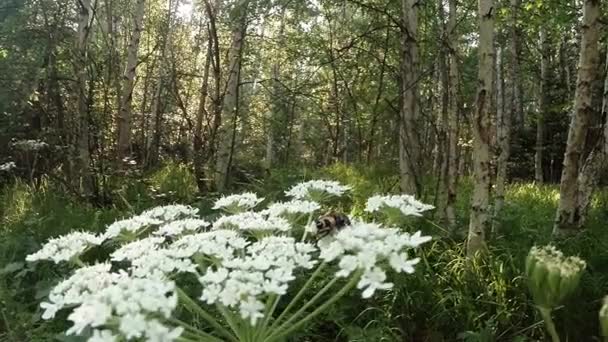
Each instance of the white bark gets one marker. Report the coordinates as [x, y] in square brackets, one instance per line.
[453, 111]
[515, 71]
[409, 146]
[227, 130]
[542, 106]
[126, 98]
[568, 215]
[503, 131]
[82, 144]
[480, 202]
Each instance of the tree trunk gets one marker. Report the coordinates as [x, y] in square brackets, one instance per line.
[278, 101]
[227, 130]
[568, 215]
[480, 202]
[83, 159]
[199, 155]
[595, 162]
[409, 145]
[126, 97]
[442, 139]
[515, 70]
[503, 131]
[542, 106]
[453, 116]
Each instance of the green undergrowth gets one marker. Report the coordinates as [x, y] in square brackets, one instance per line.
[447, 299]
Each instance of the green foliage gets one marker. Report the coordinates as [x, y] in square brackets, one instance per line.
[174, 182]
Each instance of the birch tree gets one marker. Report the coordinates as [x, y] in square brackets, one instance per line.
[503, 131]
[227, 130]
[82, 143]
[480, 201]
[542, 105]
[568, 213]
[126, 97]
[409, 146]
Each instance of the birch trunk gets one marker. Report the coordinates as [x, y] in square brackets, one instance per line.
[542, 107]
[503, 131]
[199, 155]
[480, 202]
[82, 143]
[277, 101]
[515, 70]
[453, 117]
[409, 146]
[442, 143]
[595, 163]
[568, 215]
[227, 130]
[126, 98]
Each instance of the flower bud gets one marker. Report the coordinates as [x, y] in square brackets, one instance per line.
[551, 276]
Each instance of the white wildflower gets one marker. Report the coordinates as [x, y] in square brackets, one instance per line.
[365, 246]
[406, 204]
[217, 244]
[237, 203]
[171, 212]
[178, 227]
[252, 221]
[252, 309]
[65, 247]
[292, 207]
[316, 188]
[7, 166]
[90, 314]
[103, 336]
[132, 225]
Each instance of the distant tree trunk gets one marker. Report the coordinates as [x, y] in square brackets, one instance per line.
[480, 202]
[453, 117]
[596, 162]
[82, 144]
[503, 131]
[227, 130]
[443, 125]
[515, 70]
[199, 155]
[542, 106]
[568, 215]
[126, 98]
[409, 146]
[278, 101]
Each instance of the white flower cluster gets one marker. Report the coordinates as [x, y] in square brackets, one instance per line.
[178, 227]
[308, 189]
[407, 204]
[152, 217]
[66, 247]
[101, 297]
[292, 207]
[240, 202]
[267, 268]
[252, 221]
[7, 166]
[30, 145]
[238, 268]
[363, 246]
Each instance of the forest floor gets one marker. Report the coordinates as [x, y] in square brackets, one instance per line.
[445, 300]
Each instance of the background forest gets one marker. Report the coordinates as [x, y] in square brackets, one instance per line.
[492, 110]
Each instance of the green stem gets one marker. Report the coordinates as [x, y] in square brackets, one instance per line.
[271, 306]
[298, 295]
[282, 333]
[193, 307]
[546, 314]
[231, 322]
[306, 226]
[193, 330]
